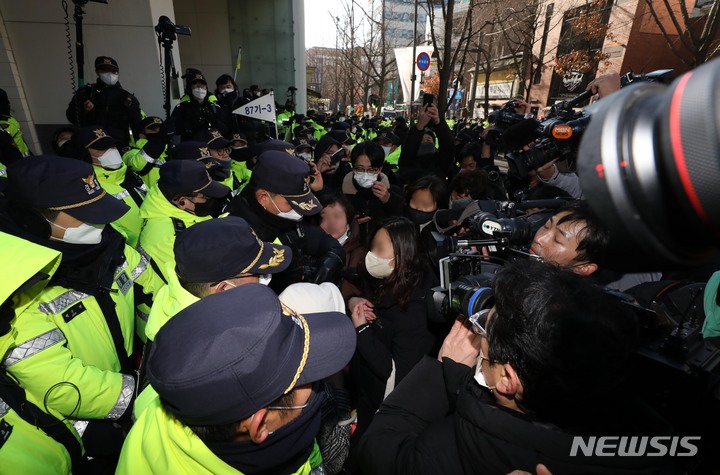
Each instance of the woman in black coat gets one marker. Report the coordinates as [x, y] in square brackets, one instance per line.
[390, 317]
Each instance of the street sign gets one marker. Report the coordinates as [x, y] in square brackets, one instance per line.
[423, 61]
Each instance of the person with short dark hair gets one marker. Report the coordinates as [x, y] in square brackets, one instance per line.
[551, 361]
[424, 197]
[106, 103]
[419, 157]
[572, 238]
[368, 189]
[237, 377]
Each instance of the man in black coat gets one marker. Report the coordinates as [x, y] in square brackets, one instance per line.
[553, 360]
[274, 203]
[106, 103]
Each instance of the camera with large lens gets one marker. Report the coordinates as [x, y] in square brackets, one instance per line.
[556, 136]
[502, 119]
[649, 164]
[504, 229]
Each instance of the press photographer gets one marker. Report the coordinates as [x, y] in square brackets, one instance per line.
[552, 361]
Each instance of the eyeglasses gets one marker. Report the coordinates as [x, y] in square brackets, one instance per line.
[294, 408]
[478, 321]
[372, 171]
[223, 151]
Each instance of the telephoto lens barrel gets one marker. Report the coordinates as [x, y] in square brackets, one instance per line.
[649, 165]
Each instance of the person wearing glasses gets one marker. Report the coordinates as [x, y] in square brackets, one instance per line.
[219, 149]
[510, 389]
[369, 190]
[237, 377]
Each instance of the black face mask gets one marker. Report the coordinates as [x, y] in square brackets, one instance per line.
[421, 217]
[212, 207]
[219, 170]
[282, 452]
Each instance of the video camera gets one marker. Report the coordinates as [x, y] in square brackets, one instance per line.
[559, 135]
[505, 229]
[502, 119]
[167, 30]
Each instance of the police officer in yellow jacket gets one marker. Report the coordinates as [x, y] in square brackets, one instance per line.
[184, 195]
[149, 151]
[245, 403]
[31, 441]
[98, 148]
[71, 349]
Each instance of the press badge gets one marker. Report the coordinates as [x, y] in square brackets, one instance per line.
[124, 282]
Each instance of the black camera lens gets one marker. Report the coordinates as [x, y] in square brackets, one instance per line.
[649, 164]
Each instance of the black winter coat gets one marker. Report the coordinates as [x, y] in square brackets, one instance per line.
[402, 337]
[313, 249]
[440, 421]
[114, 108]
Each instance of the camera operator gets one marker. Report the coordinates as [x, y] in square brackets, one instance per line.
[574, 239]
[552, 363]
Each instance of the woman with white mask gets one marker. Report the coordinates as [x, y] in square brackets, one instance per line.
[369, 190]
[391, 315]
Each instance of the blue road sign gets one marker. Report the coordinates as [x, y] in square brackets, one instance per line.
[423, 61]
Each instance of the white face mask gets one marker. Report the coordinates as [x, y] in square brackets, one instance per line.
[109, 79]
[479, 376]
[305, 155]
[111, 159]
[387, 150]
[365, 179]
[199, 92]
[292, 215]
[265, 279]
[226, 90]
[83, 234]
[60, 143]
[377, 266]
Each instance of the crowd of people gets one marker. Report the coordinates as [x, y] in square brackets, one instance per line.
[193, 295]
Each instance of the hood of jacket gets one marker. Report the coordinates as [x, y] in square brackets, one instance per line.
[29, 267]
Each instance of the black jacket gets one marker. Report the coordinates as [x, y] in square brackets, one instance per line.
[411, 166]
[192, 117]
[440, 421]
[317, 256]
[114, 108]
[402, 337]
[365, 203]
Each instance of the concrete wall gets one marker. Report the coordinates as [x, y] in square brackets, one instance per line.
[34, 64]
[208, 48]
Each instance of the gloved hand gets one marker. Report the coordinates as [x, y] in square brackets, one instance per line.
[155, 145]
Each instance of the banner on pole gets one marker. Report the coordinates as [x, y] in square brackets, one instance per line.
[262, 108]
